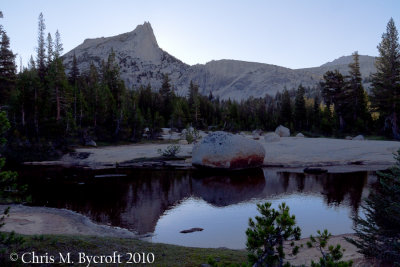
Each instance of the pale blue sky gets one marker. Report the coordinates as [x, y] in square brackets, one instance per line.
[292, 33]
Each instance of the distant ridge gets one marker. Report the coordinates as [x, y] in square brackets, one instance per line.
[143, 62]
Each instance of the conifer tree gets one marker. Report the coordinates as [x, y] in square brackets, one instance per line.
[111, 79]
[333, 92]
[378, 235]
[50, 53]
[356, 96]
[166, 96]
[194, 103]
[285, 115]
[73, 79]
[7, 69]
[266, 234]
[57, 83]
[58, 47]
[386, 81]
[41, 50]
[300, 109]
[316, 112]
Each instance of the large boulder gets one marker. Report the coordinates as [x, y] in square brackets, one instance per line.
[90, 142]
[272, 137]
[282, 131]
[223, 150]
[359, 138]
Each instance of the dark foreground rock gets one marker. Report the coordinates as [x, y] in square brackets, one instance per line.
[191, 230]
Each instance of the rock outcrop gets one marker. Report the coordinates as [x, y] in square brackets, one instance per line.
[221, 150]
[272, 137]
[140, 59]
[282, 131]
[359, 138]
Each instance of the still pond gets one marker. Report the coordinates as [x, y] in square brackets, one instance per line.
[157, 205]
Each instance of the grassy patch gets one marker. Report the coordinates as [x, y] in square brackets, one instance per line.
[378, 137]
[165, 255]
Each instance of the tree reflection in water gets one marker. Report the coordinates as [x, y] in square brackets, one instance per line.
[138, 200]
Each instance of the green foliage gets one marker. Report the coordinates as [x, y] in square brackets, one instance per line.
[7, 68]
[216, 263]
[191, 135]
[331, 255]
[357, 98]
[378, 235]
[9, 242]
[265, 235]
[333, 92]
[170, 152]
[285, 115]
[8, 188]
[386, 81]
[300, 115]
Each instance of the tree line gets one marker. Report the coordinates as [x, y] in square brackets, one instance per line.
[46, 102]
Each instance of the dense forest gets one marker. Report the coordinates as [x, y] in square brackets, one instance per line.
[50, 108]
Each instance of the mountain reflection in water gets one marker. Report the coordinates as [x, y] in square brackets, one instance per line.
[162, 203]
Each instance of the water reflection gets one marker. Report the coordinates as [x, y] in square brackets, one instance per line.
[336, 188]
[227, 189]
[139, 200]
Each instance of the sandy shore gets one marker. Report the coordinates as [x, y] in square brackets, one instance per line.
[289, 152]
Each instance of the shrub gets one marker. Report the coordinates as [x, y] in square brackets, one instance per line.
[170, 152]
[265, 235]
[191, 135]
[330, 256]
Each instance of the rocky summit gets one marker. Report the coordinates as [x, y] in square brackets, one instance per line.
[140, 58]
[143, 62]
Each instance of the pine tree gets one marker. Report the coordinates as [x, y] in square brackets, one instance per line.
[50, 53]
[356, 96]
[25, 106]
[60, 91]
[316, 112]
[58, 47]
[386, 81]
[41, 50]
[111, 78]
[7, 69]
[178, 116]
[73, 78]
[265, 235]
[378, 235]
[35, 83]
[333, 92]
[210, 96]
[300, 115]
[194, 103]
[93, 97]
[58, 86]
[166, 96]
[285, 115]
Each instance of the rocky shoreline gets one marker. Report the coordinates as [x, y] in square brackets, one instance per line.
[336, 155]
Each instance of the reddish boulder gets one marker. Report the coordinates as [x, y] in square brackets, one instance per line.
[223, 150]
